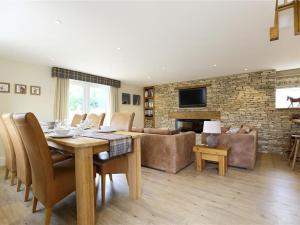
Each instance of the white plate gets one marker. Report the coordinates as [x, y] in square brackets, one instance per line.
[60, 136]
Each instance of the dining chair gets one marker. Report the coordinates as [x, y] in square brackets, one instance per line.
[122, 121]
[77, 118]
[10, 156]
[96, 120]
[50, 182]
[23, 166]
[117, 165]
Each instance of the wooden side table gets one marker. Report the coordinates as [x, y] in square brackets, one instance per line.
[218, 154]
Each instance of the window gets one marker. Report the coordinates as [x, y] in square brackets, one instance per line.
[85, 97]
[288, 97]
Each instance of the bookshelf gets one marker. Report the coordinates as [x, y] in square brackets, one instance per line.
[149, 119]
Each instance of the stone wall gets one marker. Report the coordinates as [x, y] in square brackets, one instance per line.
[242, 99]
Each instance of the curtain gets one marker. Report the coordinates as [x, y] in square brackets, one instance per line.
[61, 99]
[113, 100]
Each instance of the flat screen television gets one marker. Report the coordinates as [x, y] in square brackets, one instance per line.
[192, 97]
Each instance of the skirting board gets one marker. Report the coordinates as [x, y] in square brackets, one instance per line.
[2, 161]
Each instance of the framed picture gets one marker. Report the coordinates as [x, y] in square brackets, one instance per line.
[20, 89]
[4, 87]
[35, 90]
[125, 98]
[287, 98]
[136, 99]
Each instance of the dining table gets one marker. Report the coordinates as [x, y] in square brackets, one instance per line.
[83, 148]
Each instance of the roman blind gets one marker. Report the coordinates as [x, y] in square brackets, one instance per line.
[75, 75]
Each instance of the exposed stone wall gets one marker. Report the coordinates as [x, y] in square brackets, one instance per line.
[242, 99]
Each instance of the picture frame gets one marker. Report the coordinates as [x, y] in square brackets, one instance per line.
[4, 87]
[136, 99]
[125, 99]
[21, 89]
[35, 90]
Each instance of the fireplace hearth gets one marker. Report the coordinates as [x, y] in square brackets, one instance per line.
[195, 125]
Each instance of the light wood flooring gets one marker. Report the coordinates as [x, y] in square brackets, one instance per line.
[270, 194]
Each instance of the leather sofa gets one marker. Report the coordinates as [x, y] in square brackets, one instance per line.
[243, 148]
[166, 150]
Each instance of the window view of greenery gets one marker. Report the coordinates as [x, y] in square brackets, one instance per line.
[76, 94]
[87, 98]
[98, 100]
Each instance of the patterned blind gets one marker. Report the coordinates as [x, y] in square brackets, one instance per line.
[75, 75]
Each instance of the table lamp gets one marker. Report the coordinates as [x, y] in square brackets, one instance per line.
[212, 128]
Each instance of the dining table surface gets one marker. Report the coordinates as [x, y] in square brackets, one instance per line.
[83, 148]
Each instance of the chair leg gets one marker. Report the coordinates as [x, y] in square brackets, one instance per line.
[48, 215]
[296, 153]
[292, 152]
[110, 177]
[34, 204]
[19, 182]
[12, 179]
[127, 178]
[27, 189]
[6, 174]
[103, 176]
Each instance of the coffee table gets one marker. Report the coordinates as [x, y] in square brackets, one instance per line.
[218, 154]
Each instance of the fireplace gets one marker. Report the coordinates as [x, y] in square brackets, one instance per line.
[195, 125]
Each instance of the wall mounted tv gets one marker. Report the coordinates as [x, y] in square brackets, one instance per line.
[192, 97]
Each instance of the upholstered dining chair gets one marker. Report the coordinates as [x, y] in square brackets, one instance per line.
[96, 120]
[122, 121]
[104, 164]
[23, 166]
[50, 182]
[10, 156]
[77, 118]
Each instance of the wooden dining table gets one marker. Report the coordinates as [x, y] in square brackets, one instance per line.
[84, 148]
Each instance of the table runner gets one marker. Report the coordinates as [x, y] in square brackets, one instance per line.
[119, 144]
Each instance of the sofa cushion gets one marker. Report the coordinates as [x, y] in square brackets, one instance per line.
[157, 131]
[137, 130]
[233, 130]
[225, 129]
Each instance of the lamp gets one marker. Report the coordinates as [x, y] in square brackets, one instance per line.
[212, 128]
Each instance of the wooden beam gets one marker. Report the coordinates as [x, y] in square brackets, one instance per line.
[274, 31]
[297, 17]
[210, 115]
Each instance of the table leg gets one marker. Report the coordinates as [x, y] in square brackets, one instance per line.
[134, 170]
[222, 165]
[84, 186]
[226, 164]
[199, 161]
[203, 164]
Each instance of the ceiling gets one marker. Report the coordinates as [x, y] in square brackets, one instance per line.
[148, 42]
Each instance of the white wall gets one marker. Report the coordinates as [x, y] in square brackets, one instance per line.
[14, 72]
[23, 73]
[139, 112]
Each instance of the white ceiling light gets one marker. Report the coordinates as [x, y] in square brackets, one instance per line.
[148, 77]
[119, 49]
[58, 22]
[52, 59]
[215, 65]
[246, 69]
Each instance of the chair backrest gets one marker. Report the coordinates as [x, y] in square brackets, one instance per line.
[10, 156]
[23, 166]
[122, 121]
[77, 118]
[38, 154]
[97, 120]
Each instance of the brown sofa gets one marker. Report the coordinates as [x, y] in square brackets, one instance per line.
[243, 148]
[166, 150]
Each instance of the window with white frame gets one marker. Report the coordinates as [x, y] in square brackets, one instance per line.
[85, 97]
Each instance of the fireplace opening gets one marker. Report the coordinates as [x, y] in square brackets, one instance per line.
[185, 125]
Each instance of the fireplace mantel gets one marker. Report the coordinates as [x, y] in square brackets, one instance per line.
[211, 115]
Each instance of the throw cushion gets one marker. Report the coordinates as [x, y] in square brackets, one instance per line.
[233, 130]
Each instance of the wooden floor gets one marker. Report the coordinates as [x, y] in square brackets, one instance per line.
[268, 195]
